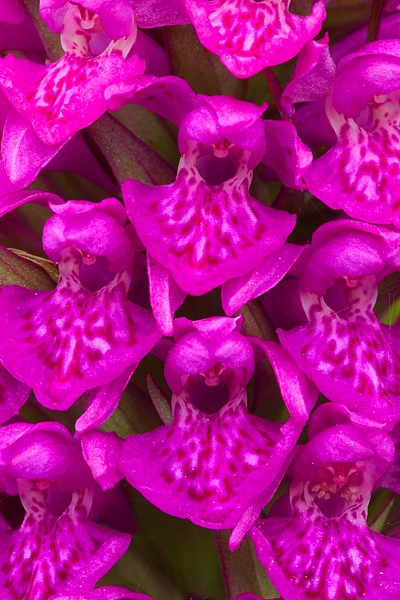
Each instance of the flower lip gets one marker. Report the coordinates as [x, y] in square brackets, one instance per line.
[250, 35]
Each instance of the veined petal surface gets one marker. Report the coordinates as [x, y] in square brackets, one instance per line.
[310, 557]
[205, 234]
[361, 173]
[67, 341]
[207, 467]
[250, 35]
[63, 97]
[324, 550]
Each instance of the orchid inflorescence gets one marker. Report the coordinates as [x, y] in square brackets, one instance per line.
[199, 314]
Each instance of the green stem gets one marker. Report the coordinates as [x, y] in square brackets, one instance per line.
[276, 92]
[50, 41]
[379, 508]
[375, 19]
[241, 570]
[127, 155]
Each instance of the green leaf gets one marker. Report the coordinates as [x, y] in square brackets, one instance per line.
[209, 76]
[134, 414]
[379, 508]
[256, 322]
[169, 557]
[21, 268]
[50, 41]
[160, 400]
[152, 129]
[127, 155]
[241, 570]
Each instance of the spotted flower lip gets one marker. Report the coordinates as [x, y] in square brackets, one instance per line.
[65, 554]
[67, 341]
[215, 458]
[42, 106]
[249, 35]
[343, 348]
[187, 214]
[323, 547]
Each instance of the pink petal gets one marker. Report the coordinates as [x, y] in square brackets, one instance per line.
[205, 234]
[249, 36]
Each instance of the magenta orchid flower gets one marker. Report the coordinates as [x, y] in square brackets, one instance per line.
[47, 97]
[343, 348]
[248, 35]
[66, 341]
[205, 229]
[117, 17]
[215, 463]
[321, 546]
[49, 103]
[355, 106]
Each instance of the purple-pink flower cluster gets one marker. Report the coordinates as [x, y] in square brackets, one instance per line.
[186, 245]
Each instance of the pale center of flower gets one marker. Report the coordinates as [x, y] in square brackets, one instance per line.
[83, 35]
[352, 282]
[221, 149]
[380, 98]
[88, 17]
[88, 259]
